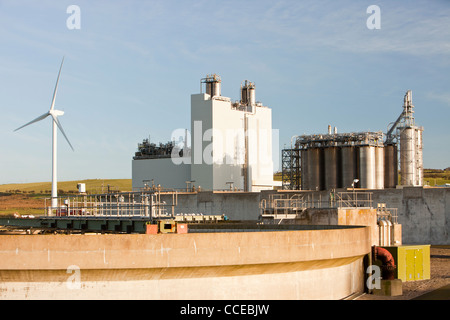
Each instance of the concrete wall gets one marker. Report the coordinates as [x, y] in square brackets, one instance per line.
[201, 120]
[235, 205]
[218, 145]
[334, 217]
[424, 213]
[163, 171]
[290, 264]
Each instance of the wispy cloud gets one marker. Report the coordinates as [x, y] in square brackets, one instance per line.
[411, 27]
[442, 97]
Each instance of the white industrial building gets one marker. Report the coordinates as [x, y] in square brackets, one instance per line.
[230, 146]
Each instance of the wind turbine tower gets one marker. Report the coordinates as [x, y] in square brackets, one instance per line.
[55, 125]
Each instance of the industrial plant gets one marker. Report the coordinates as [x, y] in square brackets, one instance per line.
[206, 220]
[366, 160]
[229, 145]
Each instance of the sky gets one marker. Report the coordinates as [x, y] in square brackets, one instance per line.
[131, 66]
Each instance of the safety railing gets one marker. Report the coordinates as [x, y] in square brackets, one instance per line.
[354, 199]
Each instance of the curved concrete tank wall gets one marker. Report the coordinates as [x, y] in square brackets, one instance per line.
[285, 264]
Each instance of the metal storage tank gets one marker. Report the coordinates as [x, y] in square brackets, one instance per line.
[367, 167]
[407, 156]
[348, 166]
[419, 157]
[209, 88]
[391, 166]
[248, 95]
[379, 167]
[315, 168]
[217, 88]
[213, 85]
[331, 169]
[304, 166]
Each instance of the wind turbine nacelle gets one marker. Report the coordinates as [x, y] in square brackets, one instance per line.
[56, 113]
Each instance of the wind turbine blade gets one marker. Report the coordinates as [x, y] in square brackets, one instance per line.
[62, 130]
[56, 86]
[45, 115]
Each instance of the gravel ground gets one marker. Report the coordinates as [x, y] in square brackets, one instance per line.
[440, 277]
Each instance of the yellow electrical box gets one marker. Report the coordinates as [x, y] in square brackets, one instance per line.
[412, 261]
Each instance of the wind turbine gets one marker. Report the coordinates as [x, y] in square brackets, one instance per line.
[55, 124]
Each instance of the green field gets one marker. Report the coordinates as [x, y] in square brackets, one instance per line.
[92, 186]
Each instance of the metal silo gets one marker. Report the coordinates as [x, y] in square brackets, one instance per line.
[419, 157]
[367, 162]
[213, 85]
[315, 168]
[304, 165]
[379, 167]
[391, 166]
[348, 166]
[331, 169]
[407, 156]
[248, 95]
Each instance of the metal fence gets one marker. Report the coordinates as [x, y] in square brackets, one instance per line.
[120, 204]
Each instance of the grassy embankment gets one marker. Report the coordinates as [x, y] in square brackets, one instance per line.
[28, 198]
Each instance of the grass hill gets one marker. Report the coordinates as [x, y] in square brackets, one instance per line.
[92, 186]
[28, 198]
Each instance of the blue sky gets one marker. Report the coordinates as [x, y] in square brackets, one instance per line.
[130, 69]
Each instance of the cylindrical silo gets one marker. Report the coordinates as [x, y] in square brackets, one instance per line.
[379, 167]
[331, 169]
[251, 96]
[213, 85]
[248, 95]
[209, 88]
[315, 168]
[391, 166]
[243, 95]
[216, 88]
[367, 162]
[407, 156]
[348, 166]
[304, 165]
[419, 157]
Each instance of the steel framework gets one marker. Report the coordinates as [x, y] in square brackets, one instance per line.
[290, 169]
